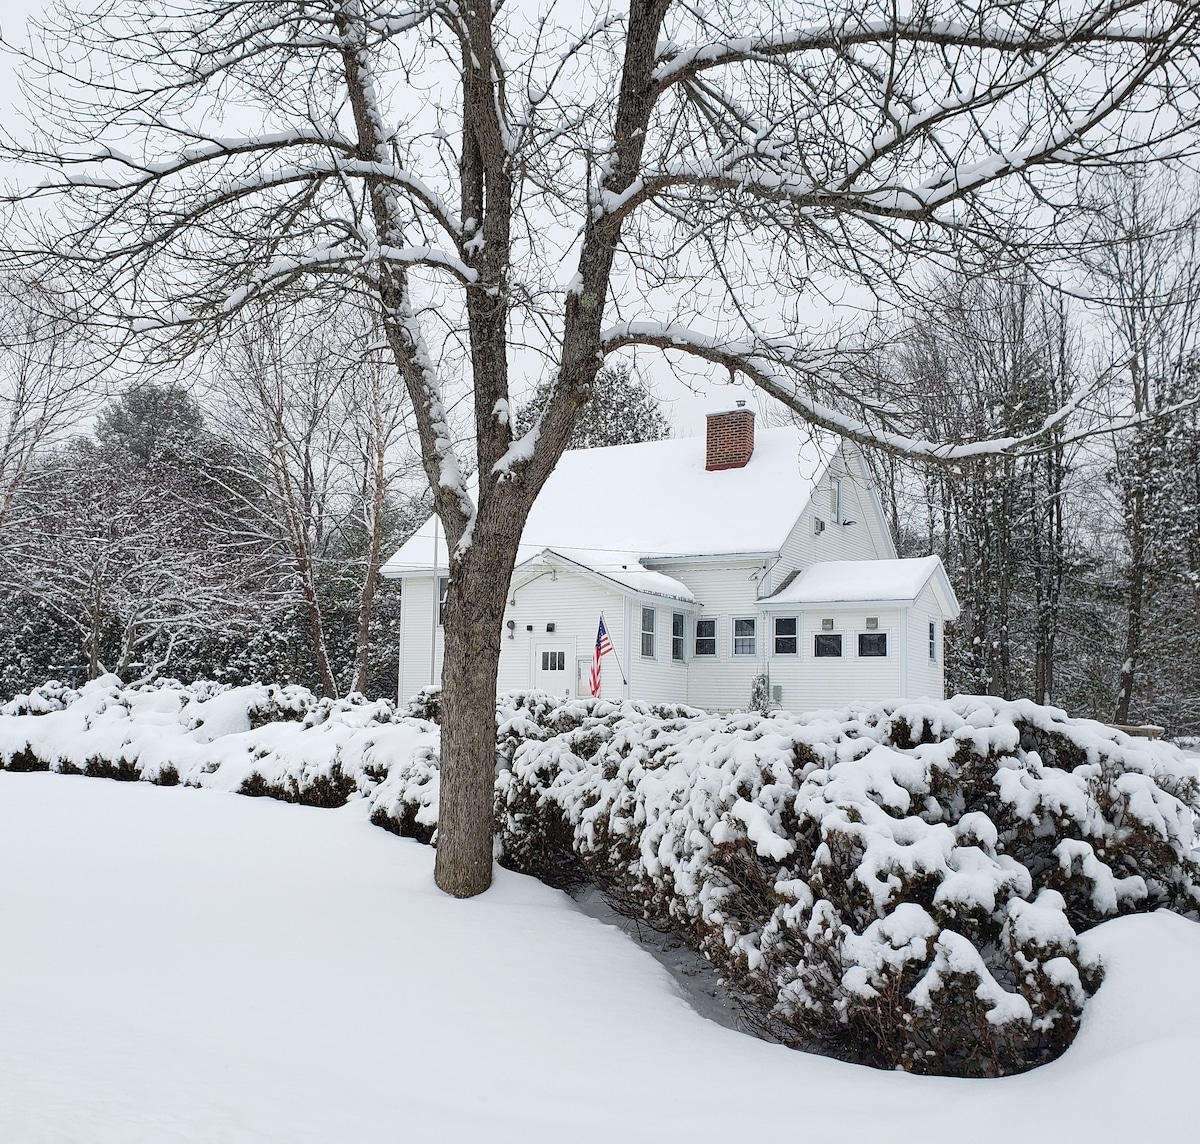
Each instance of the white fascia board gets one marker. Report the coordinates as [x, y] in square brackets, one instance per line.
[650, 563]
[566, 564]
[830, 605]
[944, 591]
[413, 573]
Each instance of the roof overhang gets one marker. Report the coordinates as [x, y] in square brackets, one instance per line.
[667, 589]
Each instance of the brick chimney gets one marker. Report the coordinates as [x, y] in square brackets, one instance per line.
[730, 438]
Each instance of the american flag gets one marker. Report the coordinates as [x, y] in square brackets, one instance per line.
[603, 647]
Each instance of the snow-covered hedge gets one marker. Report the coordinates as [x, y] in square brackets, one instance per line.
[902, 884]
[904, 881]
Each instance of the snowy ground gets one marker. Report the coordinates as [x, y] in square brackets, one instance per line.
[186, 965]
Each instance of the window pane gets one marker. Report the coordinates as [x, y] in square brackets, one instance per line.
[744, 632]
[785, 635]
[872, 643]
[932, 640]
[706, 637]
[648, 632]
[677, 636]
[827, 647]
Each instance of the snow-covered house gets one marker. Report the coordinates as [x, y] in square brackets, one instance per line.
[712, 562]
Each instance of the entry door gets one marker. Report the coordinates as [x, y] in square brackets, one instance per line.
[553, 664]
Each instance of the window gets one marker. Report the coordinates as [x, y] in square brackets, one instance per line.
[554, 661]
[872, 643]
[835, 500]
[932, 640]
[785, 635]
[677, 636]
[826, 646]
[648, 632]
[443, 586]
[745, 637]
[706, 637]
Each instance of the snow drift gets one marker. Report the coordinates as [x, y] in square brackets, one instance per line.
[902, 884]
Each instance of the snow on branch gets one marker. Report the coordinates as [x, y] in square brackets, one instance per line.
[790, 374]
[1109, 23]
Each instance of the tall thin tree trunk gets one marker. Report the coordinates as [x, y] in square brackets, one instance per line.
[366, 599]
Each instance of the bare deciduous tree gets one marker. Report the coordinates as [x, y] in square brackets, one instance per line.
[499, 177]
[43, 379]
[1143, 258]
[320, 423]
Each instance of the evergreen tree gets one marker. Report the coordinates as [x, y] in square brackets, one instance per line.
[621, 411]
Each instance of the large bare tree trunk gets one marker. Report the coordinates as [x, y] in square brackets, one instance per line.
[473, 618]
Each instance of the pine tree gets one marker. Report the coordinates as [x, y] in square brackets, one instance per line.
[621, 411]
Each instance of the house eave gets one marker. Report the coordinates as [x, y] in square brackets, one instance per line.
[769, 605]
[651, 562]
[558, 560]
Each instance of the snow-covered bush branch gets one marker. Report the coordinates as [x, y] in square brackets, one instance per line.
[901, 884]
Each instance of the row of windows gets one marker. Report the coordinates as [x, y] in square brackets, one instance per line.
[826, 645]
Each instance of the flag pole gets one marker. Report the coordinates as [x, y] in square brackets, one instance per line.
[624, 681]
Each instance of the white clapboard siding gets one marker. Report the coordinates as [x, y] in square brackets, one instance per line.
[572, 603]
[926, 675]
[725, 590]
[862, 540]
[809, 683]
[416, 624]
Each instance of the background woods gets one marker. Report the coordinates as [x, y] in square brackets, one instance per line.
[500, 185]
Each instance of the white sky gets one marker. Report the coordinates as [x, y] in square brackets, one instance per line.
[687, 394]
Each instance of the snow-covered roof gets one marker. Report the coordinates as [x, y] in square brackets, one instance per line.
[866, 581]
[624, 571]
[656, 500]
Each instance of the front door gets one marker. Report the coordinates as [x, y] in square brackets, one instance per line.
[553, 665]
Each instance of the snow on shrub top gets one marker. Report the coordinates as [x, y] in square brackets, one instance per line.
[904, 882]
[907, 877]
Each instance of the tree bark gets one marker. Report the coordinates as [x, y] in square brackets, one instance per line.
[474, 615]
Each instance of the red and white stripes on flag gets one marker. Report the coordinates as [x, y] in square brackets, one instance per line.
[603, 647]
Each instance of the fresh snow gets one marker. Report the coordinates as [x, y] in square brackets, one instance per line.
[833, 581]
[183, 965]
[657, 500]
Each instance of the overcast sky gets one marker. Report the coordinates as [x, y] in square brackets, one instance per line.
[686, 400]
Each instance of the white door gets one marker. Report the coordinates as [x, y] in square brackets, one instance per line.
[553, 666]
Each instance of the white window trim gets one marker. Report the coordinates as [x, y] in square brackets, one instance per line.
[885, 632]
[835, 499]
[652, 633]
[682, 637]
[933, 656]
[734, 637]
[797, 636]
[821, 632]
[716, 638]
[442, 588]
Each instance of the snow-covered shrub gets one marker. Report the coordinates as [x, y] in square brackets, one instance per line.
[905, 883]
[760, 694]
[902, 884]
[49, 696]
